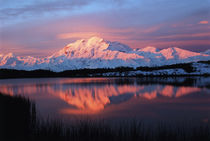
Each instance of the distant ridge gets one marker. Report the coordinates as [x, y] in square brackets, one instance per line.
[95, 53]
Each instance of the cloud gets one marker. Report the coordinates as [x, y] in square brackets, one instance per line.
[52, 24]
[203, 22]
[80, 35]
[207, 34]
[151, 29]
[40, 8]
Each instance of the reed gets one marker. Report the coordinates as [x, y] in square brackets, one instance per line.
[20, 122]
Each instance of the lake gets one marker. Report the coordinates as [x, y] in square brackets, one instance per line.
[149, 99]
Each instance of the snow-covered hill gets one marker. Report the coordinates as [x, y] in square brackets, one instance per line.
[207, 52]
[98, 53]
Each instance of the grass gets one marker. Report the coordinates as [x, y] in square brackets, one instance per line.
[20, 122]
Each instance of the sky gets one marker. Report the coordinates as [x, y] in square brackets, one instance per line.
[42, 27]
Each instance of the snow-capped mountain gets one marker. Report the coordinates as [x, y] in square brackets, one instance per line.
[207, 52]
[98, 53]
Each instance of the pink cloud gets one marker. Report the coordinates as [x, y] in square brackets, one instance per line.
[151, 29]
[203, 22]
[82, 35]
[207, 34]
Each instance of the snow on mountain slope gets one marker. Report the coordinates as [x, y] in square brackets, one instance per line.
[98, 53]
[94, 48]
[149, 49]
[177, 53]
[8, 60]
[207, 52]
[116, 46]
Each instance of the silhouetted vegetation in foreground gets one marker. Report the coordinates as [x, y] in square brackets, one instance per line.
[21, 124]
[18, 117]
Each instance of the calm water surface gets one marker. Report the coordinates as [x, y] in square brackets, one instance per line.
[174, 99]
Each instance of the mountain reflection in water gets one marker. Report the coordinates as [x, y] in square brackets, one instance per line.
[76, 96]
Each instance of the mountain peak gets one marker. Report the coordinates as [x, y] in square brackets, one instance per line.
[96, 52]
[116, 46]
[95, 39]
[84, 48]
[172, 52]
[149, 49]
[90, 41]
[9, 55]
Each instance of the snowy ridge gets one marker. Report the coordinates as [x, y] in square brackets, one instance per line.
[207, 52]
[98, 53]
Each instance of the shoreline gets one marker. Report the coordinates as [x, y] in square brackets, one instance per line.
[201, 68]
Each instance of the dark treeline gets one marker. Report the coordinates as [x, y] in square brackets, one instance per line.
[20, 123]
[174, 81]
[10, 73]
[187, 67]
[204, 62]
